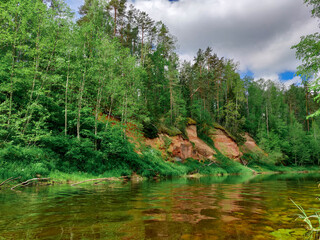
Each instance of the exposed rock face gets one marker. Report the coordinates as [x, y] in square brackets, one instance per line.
[225, 144]
[179, 147]
[201, 148]
[182, 148]
[195, 148]
[250, 146]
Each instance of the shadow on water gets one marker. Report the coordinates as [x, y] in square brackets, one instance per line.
[227, 207]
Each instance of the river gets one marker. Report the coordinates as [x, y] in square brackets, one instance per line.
[229, 207]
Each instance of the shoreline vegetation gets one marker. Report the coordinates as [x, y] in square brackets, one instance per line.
[80, 99]
[80, 179]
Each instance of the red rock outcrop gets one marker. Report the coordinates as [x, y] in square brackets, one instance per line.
[195, 148]
[225, 144]
[178, 147]
[200, 147]
[183, 148]
[250, 146]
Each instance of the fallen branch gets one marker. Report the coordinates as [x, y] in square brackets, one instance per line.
[212, 162]
[29, 181]
[9, 180]
[96, 179]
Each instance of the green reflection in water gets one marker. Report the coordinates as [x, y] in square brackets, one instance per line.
[229, 207]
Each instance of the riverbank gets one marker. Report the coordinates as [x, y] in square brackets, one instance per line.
[65, 159]
[79, 178]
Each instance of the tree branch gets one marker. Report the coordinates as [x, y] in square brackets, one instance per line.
[96, 179]
[9, 180]
[28, 182]
[194, 92]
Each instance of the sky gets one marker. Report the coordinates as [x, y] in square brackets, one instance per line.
[257, 34]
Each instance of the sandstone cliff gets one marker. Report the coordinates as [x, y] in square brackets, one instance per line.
[225, 144]
[181, 148]
[250, 146]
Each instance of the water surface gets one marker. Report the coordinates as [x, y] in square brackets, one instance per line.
[233, 207]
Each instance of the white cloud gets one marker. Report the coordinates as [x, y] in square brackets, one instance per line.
[296, 81]
[259, 34]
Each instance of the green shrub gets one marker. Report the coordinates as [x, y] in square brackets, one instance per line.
[151, 164]
[208, 167]
[149, 130]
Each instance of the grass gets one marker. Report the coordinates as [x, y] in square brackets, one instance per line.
[192, 166]
[309, 220]
[263, 166]
[71, 177]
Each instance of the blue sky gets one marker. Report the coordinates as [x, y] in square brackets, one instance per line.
[287, 75]
[257, 34]
[283, 76]
[246, 73]
[74, 4]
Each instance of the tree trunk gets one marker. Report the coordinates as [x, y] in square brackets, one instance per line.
[218, 100]
[11, 84]
[115, 21]
[12, 70]
[109, 114]
[307, 111]
[42, 84]
[142, 29]
[99, 97]
[80, 102]
[171, 101]
[66, 102]
[267, 120]
[36, 65]
[247, 105]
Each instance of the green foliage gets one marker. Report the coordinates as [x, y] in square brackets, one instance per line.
[231, 166]
[151, 164]
[307, 50]
[190, 121]
[170, 130]
[16, 161]
[167, 142]
[206, 168]
[309, 220]
[149, 130]
[233, 121]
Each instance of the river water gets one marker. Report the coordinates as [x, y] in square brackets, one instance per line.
[230, 207]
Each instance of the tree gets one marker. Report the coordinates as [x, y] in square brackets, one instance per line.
[233, 120]
[119, 7]
[308, 50]
[145, 23]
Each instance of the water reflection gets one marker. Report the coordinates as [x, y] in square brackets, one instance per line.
[233, 207]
